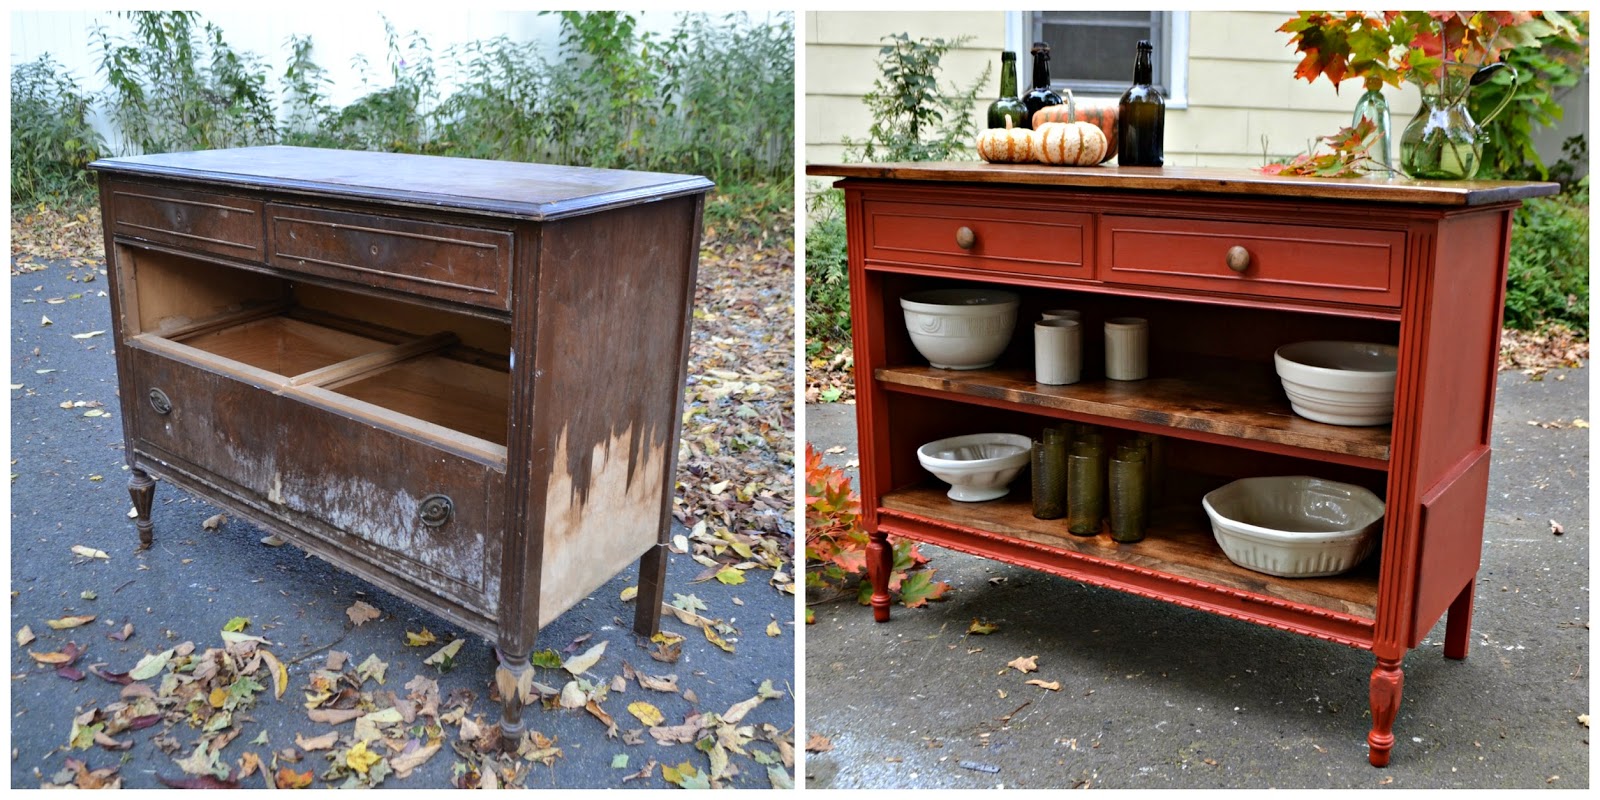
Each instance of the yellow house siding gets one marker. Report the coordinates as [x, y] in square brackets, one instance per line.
[841, 66]
[1241, 84]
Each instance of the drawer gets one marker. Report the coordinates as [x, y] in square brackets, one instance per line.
[218, 423]
[431, 518]
[1303, 262]
[461, 263]
[213, 223]
[1029, 241]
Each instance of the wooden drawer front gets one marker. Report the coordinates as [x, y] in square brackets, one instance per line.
[217, 423]
[377, 487]
[450, 262]
[1289, 261]
[1017, 240]
[215, 223]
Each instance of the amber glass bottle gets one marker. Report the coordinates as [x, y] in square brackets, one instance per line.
[1141, 116]
[1040, 95]
[1009, 105]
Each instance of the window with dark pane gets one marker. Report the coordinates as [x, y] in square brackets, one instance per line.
[1091, 52]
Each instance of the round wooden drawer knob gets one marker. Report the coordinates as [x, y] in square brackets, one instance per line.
[1238, 258]
[965, 238]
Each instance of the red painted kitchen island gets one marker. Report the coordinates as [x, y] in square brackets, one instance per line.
[1227, 266]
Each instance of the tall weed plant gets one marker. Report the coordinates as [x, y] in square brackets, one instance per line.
[715, 96]
[51, 138]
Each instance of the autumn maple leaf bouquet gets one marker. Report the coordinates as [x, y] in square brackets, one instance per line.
[1444, 53]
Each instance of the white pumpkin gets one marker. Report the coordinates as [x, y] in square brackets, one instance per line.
[1069, 143]
[1006, 145]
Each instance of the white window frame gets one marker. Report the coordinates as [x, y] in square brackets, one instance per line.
[1017, 39]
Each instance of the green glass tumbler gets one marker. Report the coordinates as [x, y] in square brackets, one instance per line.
[1127, 479]
[1049, 477]
[1086, 492]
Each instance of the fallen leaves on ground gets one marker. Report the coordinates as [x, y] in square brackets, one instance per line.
[817, 743]
[1024, 664]
[1054, 686]
[981, 628]
[362, 612]
[736, 455]
[1535, 353]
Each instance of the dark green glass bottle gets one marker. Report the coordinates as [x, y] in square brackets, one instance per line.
[1009, 105]
[1141, 117]
[1040, 95]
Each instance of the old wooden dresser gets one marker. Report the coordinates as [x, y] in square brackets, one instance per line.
[1420, 266]
[458, 379]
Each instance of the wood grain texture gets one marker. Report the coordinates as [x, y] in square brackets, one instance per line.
[1179, 542]
[214, 223]
[1241, 404]
[512, 189]
[1200, 180]
[450, 261]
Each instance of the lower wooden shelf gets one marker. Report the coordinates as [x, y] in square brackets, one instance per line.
[1178, 553]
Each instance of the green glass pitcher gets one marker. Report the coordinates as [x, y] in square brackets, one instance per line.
[1443, 142]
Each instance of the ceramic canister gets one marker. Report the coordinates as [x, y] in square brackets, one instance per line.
[1057, 351]
[1127, 348]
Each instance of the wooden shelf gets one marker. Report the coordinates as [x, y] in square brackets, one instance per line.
[1178, 543]
[1236, 403]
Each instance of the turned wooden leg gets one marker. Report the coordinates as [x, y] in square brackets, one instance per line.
[142, 488]
[652, 591]
[1386, 682]
[880, 561]
[514, 680]
[1458, 623]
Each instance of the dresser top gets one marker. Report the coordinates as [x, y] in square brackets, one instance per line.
[1202, 180]
[503, 188]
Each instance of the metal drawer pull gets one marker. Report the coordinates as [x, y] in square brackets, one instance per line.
[965, 238]
[1238, 258]
[160, 402]
[436, 510]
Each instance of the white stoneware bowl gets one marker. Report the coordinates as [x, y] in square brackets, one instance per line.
[1340, 383]
[977, 466]
[960, 328]
[1294, 527]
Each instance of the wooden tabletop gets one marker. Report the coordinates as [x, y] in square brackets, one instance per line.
[1202, 180]
[517, 189]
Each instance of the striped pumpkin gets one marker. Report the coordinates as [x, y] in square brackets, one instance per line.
[1068, 143]
[1100, 112]
[1006, 145]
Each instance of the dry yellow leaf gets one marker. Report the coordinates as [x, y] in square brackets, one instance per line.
[24, 636]
[774, 629]
[279, 673]
[1024, 664]
[69, 622]
[360, 759]
[89, 552]
[630, 593]
[648, 714]
[1054, 686]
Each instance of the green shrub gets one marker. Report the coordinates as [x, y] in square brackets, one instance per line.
[827, 276]
[912, 120]
[1548, 278]
[171, 89]
[1557, 61]
[51, 139]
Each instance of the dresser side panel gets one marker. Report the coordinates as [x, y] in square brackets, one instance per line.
[613, 290]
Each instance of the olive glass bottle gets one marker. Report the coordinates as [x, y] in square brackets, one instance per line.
[1009, 105]
[1040, 95]
[1141, 117]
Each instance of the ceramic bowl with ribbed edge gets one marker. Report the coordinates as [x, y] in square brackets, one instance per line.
[961, 328]
[1296, 526]
[1340, 383]
[977, 466]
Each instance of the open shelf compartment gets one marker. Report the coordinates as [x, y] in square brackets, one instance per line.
[424, 372]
